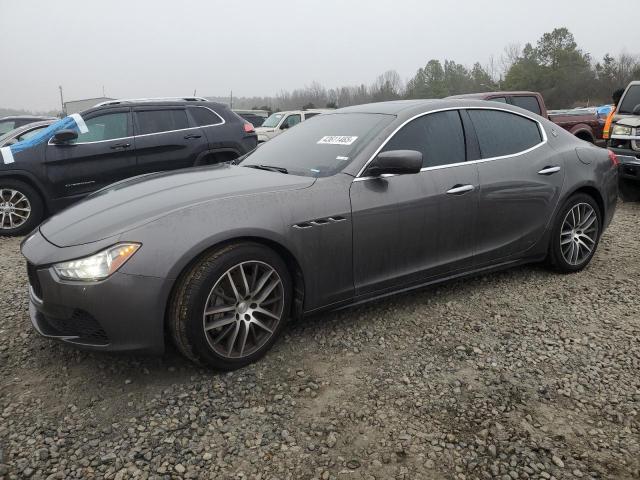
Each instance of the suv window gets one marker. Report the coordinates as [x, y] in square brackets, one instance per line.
[498, 99]
[503, 133]
[439, 136]
[528, 103]
[156, 121]
[630, 100]
[203, 116]
[309, 115]
[105, 127]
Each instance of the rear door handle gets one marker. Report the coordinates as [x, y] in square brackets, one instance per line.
[191, 135]
[549, 170]
[460, 189]
[120, 145]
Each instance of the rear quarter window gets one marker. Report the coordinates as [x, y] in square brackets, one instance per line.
[503, 133]
[204, 116]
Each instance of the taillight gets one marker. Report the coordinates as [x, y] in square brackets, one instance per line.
[248, 127]
[614, 159]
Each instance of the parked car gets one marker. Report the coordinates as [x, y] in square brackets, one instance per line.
[116, 140]
[24, 132]
[255, 120]
[352, 206]
[10, 123]
[625, 141]
[280, 121]
[584, 125]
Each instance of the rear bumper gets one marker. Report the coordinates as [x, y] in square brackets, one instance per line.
[122, 313]
[629, 168]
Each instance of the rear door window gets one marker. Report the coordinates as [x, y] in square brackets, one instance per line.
[498, 99]
[503, 133]
[158, 121]
[438, 136]
[527, 102]
[307, 116]
[630, 100]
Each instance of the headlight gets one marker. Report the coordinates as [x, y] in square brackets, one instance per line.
[98, 266]
[621, 130]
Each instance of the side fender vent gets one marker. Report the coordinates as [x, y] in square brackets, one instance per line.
[318, 222]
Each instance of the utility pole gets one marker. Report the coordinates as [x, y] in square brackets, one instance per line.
[231, 100]
[62, 100]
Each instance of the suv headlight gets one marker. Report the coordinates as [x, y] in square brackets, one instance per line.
[621, 130]
[98, 266]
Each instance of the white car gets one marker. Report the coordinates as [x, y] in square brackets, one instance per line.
[280, 121]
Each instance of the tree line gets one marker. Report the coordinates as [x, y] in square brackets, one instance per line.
[555, 66]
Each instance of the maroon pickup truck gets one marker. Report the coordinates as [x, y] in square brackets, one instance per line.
[585, 126]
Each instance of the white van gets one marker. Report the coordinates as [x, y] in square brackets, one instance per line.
[280, 121]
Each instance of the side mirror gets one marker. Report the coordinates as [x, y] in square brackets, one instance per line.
[397, 162]
[64, 136]
[284, 125]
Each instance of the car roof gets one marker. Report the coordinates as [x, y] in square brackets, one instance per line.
[157, 103]
[404, 109]
[26, 117]
[503, 93]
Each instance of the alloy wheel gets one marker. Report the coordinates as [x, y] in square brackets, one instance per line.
[243, 309]
[15, 209]
[579, 233]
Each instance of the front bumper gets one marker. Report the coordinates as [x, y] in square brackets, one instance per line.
[122, 313]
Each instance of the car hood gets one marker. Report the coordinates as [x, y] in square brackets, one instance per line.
[134, 202]
[631, 121]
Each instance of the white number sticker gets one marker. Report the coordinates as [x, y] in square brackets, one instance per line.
[336, 140]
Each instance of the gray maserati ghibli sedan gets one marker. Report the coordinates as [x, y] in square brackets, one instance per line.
[347, 207]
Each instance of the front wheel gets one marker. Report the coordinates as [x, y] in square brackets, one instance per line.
[575, 234]
[21, 208]
[231, 306]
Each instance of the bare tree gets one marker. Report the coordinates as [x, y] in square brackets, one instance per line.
[510, 55]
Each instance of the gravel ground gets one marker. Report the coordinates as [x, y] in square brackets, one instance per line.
[520, 374]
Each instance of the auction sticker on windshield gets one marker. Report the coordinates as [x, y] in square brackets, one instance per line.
[336, 140]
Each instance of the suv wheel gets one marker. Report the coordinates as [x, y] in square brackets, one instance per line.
[21, 208]
[575, 234]
[230, 308]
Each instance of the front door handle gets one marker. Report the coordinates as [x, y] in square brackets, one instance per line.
[191, 135]
[460, 189]
[120, 145]
[549, 170]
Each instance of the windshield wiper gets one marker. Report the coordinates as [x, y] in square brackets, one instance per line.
[271, 168]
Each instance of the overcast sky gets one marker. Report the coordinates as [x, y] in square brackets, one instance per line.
[144, 48]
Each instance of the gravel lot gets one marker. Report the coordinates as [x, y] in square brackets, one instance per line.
[521, 374]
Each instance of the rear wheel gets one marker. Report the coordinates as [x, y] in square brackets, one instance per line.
[21, 208]
[575, 234]
[232, 305]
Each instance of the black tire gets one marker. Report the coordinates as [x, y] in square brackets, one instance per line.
[629, 190]
[557, 259]
[186, 320]
[35, 205]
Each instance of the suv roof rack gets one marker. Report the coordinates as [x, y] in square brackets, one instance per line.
[154, 99]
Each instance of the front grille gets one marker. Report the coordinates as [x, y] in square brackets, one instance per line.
[81, 324]
[34, 281]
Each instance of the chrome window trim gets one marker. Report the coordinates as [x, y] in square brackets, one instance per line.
[543, 134]
[223, 121]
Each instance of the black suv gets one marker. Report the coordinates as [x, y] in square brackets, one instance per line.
[115, 140]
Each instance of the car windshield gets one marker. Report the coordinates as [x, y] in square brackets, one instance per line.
[320, 148]
[630, 100]
[6, 126]
[273, 120]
